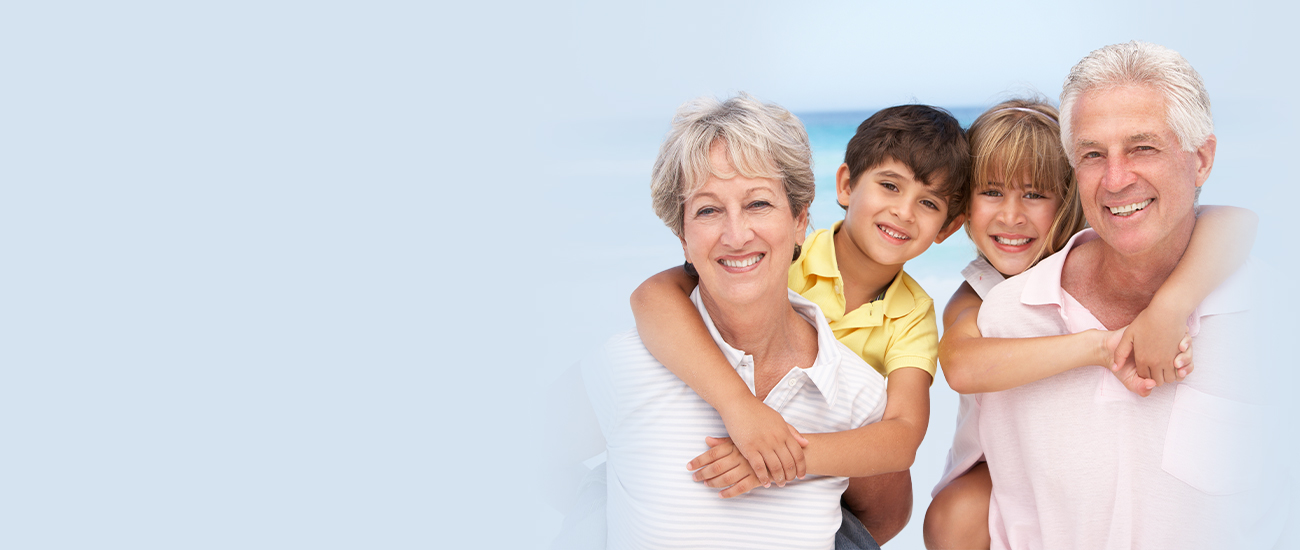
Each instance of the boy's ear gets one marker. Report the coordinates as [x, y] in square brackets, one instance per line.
[949, 229]
[843, 185]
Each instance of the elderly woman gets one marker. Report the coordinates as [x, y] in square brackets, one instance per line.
[733, 181]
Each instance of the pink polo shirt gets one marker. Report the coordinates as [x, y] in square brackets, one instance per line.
[1078, 461]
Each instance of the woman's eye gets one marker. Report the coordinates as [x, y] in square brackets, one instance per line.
[707, 210]
[760, 204]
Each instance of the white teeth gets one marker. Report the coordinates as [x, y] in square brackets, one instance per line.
[1128, 210]
[1012, 242]
[893, 233]
[743, 263]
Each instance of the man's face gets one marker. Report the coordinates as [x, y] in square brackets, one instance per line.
[1137, 185]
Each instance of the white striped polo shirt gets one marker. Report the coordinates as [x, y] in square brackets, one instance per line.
[654, 424]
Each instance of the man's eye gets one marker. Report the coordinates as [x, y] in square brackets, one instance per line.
[1091, 155]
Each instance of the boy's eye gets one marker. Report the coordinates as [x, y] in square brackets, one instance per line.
[889, 186]
[930, 204]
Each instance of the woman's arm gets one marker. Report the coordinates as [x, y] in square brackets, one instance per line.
[671, 329]
[1220, 245]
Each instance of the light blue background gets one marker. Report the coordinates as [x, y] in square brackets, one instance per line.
[289, 274]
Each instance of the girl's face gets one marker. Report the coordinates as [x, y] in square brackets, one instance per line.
[1009, 223]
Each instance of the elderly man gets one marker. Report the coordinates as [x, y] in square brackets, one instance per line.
[1078, 461]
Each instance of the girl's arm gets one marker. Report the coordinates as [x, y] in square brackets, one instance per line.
[973, 364]
[1220, 245]
[672, 330]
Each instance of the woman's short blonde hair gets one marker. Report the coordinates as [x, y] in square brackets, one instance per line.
[1017, 144]
[763, 140]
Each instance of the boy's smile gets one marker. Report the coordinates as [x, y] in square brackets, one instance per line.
[892, 217]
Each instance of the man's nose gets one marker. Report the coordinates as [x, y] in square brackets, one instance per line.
[1119, 173]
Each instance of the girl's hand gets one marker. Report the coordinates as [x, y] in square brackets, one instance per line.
[722, 466]
[1154, 340]
[1126, 372]
[773, 448]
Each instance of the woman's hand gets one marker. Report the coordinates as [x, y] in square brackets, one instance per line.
[722, 466]
[773, 448]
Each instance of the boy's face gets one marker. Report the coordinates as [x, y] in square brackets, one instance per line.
[892, 217]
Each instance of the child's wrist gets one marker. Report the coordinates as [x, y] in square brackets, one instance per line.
[1170, 308]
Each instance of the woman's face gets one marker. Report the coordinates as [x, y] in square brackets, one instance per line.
[1010, 223]
[740, 234]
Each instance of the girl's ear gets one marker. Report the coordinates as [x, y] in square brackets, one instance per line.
[949, 229]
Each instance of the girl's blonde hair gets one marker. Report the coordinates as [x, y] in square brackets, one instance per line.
[1018, 143]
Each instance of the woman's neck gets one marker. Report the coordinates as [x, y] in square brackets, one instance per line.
[772, 332]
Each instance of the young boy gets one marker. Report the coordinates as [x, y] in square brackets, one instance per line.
[902, 185]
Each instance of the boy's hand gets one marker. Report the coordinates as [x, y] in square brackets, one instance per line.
[1154, 342]
[722, 466]
[773, 448]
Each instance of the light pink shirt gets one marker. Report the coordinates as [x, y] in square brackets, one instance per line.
[1078, 461]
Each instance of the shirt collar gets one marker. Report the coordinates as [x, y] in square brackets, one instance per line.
[1043, 286]
[1043, 282]
[824, 372]
[819, 260]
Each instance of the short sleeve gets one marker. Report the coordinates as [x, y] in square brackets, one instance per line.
[915, 340]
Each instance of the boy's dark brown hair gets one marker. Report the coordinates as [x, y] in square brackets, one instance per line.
[928, 140]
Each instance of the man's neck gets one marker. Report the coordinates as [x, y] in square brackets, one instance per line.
[864, 278]
[1116, 287]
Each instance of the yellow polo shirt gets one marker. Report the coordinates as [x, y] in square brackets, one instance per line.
[896, 331]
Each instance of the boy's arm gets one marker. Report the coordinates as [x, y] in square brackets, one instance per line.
[671, 329]
[877, 448]
[1215, 252]
[974, 364]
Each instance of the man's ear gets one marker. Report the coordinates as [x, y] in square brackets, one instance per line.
[1205, 159]
[949, 229]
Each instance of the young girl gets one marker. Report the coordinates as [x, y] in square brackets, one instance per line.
[1024, 206]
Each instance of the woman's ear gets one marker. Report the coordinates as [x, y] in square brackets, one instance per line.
[949, 229]
[801, 226]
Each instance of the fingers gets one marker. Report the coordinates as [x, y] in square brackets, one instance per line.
[712, 455]
[740, 488]
[800, 469]
[758, 463]
[786, 471]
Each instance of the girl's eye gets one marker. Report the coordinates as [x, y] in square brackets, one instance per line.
[991, 193]
[1032, 195]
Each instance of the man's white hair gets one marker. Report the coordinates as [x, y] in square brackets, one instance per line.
[1137, 63]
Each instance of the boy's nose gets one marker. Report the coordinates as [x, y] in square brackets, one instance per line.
[903, 210]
